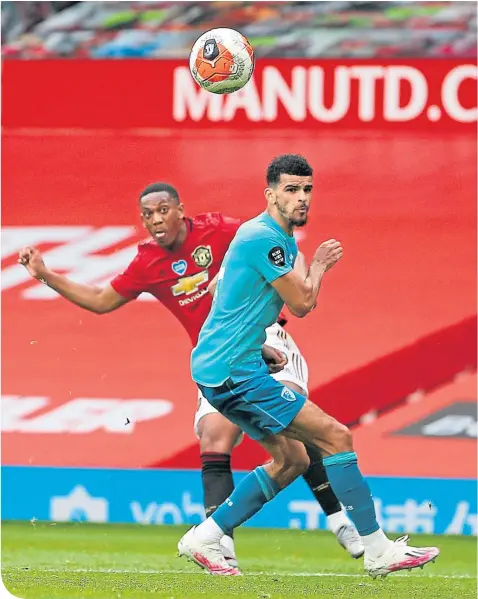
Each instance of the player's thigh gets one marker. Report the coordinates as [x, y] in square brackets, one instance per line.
[315, 427]
[215, 432]
[289, 459]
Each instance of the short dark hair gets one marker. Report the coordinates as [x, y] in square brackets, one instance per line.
[287, 164]
[156, 187]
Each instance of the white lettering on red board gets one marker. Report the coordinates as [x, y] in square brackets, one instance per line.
[305, 95]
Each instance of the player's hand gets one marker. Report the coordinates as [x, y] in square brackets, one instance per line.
[32, 260]
[329, 253]
[275, 359]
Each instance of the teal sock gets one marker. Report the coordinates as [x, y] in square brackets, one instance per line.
[352, 490]
[246, 500]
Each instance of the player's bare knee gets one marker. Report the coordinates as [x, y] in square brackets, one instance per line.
[208, 445]
[342, 438]
[301, 465]
[213, 440]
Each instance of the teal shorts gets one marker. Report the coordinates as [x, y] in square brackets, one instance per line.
[260, 405]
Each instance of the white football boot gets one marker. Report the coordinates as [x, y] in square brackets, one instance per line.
[208, 556]
[350, 540]
[228, 551]
[399, 556]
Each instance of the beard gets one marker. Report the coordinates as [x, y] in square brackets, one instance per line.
[292, 218]
[298, 221]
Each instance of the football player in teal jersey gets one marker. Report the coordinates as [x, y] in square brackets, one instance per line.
[257, 277]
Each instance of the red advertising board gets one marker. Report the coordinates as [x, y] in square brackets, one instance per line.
[309, 94]
[395, 314]
[441, 424]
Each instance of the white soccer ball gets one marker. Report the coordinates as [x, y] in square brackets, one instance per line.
[222, 61]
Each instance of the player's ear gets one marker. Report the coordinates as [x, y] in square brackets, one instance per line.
[181, 210]
[269, 195]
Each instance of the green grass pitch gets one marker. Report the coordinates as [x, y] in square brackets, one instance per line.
[47, 561]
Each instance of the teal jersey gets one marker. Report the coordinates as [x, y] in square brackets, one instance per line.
[245, 303]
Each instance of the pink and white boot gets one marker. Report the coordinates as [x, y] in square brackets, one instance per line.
[399, 556]
[208, 556]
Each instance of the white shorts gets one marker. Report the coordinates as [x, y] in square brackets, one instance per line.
[295, 371]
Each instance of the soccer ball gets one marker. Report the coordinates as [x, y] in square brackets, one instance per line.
[222, 61]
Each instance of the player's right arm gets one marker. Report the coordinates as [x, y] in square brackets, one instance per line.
[96, 299]
[299, 287]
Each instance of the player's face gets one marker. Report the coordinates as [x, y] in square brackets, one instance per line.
[163, 217]
[292, 198]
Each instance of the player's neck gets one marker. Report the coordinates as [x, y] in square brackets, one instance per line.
[180, 238]
[283, 223]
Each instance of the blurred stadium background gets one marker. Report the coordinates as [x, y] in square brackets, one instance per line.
[381, 98]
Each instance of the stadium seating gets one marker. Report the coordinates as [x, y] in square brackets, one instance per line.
[290, 29]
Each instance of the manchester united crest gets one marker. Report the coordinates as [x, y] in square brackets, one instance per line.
[202, 256]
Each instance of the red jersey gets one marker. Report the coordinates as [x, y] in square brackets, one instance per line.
[179, 279]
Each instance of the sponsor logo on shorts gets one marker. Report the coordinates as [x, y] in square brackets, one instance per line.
[288, 395]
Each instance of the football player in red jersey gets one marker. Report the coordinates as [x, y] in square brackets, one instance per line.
[176, 266]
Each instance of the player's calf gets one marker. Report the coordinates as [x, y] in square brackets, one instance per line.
[314, 427]
[217, 479]
[217, 437]
[260, 486]
[337, 521]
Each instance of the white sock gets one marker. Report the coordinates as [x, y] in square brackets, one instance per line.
[209, 531]
[376, 544]
[228, 543]
[336, 521]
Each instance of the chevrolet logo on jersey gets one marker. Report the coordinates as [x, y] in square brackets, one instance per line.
[188, 285]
